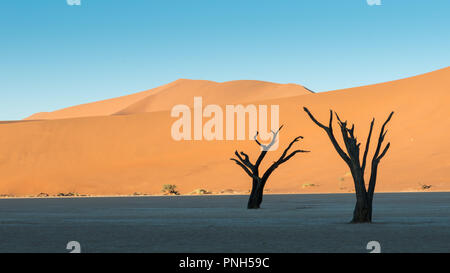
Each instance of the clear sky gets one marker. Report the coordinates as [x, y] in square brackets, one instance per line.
[53, 55]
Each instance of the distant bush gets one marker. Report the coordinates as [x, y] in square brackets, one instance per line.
[309, 185]
[170, 189]
[139, 194]
[69, 194]
[6, 195]
[200, 192]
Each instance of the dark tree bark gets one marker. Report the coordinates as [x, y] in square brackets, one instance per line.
[258, 181]
[364, 197]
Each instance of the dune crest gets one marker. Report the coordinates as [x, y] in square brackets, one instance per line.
[181, 91]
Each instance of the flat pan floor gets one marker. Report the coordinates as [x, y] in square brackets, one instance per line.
[403, 222]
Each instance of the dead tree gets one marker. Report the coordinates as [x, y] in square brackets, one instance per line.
[252, 169]
[364, 197]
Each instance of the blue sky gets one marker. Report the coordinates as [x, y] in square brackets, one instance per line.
[53, 55]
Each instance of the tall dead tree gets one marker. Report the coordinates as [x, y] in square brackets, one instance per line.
[252, 169]
[364, 197]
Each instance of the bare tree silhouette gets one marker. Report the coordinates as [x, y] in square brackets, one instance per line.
[258, 182]
[364, 197]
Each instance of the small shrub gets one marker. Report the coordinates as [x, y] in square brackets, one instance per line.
[170, 189]
[69, 194]
[200, 192]
[6, 195]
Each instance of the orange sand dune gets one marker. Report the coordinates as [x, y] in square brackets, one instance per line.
[179, 92]
[123, 154]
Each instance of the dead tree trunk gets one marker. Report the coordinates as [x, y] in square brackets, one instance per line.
[259, 182]
[364, 197]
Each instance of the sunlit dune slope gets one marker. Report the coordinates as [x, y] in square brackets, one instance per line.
[178, 92]
[123, 154]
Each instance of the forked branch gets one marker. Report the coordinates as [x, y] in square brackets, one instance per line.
[329, 131]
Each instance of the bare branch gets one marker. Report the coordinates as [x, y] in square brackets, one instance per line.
[246, 157]
[366, 151]
[294, 153]
[243, 167]
[244, 160]
[283, 158]
[381, 137]
[329, 131]
[339, 120]
[330, 125]
[272, 142]
[265, 149]
[290, 145]
[256, 139]
[260, 158]
[315, 120]
[384, 151]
